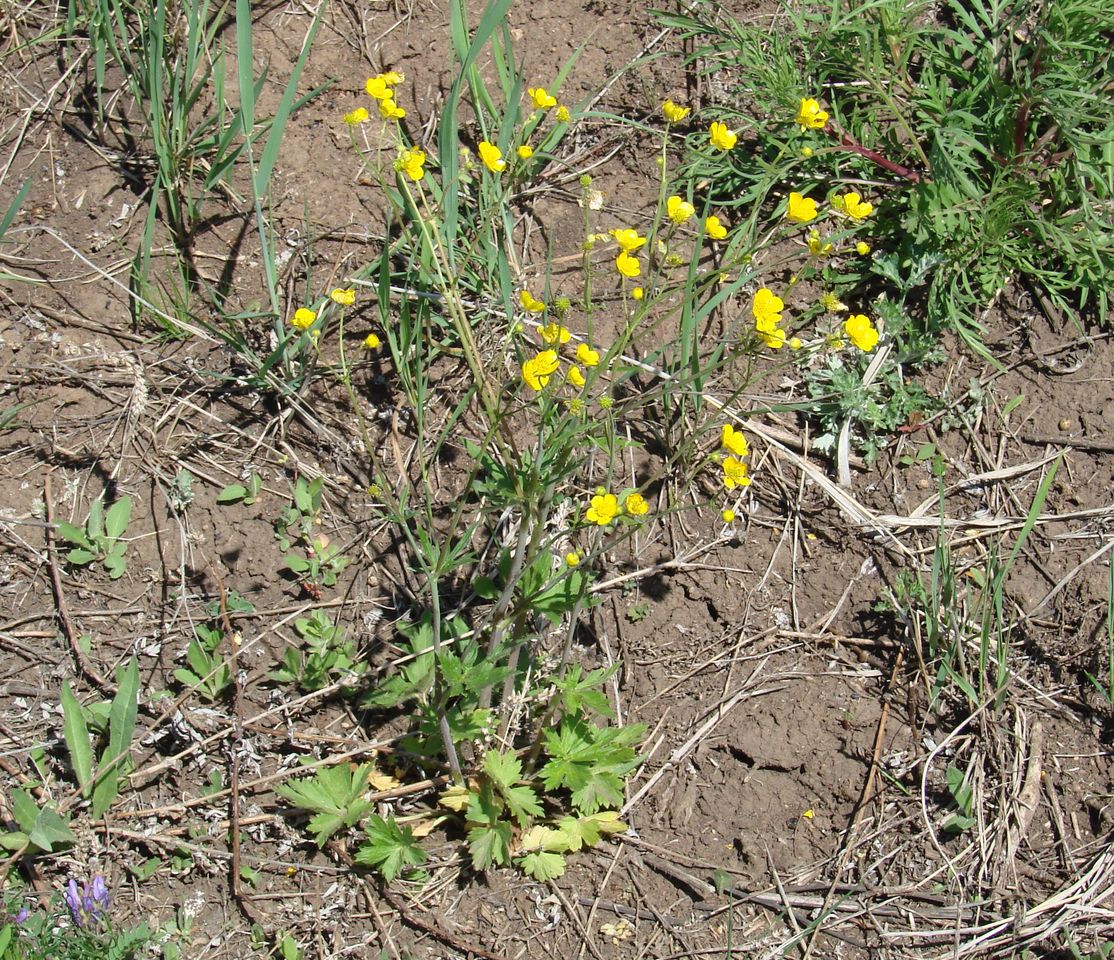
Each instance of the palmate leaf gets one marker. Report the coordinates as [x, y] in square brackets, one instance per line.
[542, 865]
[389, 848]
[490, 843]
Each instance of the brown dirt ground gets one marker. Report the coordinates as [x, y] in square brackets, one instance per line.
[776, 693]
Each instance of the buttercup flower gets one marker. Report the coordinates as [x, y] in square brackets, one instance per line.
[492, 157]
[529, 303]
[410, 161]
[801, 209]
[525, 152]
[862, 248]
[538, 369]
[563, 114]
[637, 293]
[734, 473]
[721, 138]
[303, 318]
[378, 88]
[733, 440]
[572, 559]
[554, 334]
[831, 303]
[860, 331]
[810, 116]
[389, 110]
[603, 509]
[818, 247]
[372, 342]
[806, 152]
[627, 265]
[773, 337]
[587, 356]
[628, 239]
[767, 307]
[576, 376]
[728, 515]
[542, 99]
[674, 113]
[795, 343]
[679, 210]
[635, 505]
[714, 229]
[853, 205]
[344, 297]
[359, 115]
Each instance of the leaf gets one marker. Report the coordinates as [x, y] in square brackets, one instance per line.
[490, 843]
[542, 865]
[80, 556]
[503, 768]
[116, 566]
[390, 848]
[233, 493]
[24, 810]
[121, 726]
[485, 588]
[76, 733]
[72, 534]
[456, 798]
[522, 802]
[50, 831]
[117, 517]
[15, 840]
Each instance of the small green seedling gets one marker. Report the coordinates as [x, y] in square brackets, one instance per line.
[208, 674]
[964, 797]
[334, 795]
[101, 540]
[245, 493]
[328, 655]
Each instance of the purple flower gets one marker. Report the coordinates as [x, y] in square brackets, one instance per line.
[89, 904]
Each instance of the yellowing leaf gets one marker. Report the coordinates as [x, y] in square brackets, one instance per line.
[455, 798]
[383, 781]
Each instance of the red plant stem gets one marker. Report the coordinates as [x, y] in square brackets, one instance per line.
[850, 143]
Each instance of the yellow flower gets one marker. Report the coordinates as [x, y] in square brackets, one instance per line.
[525, 152]
[303, 318]
[714, 229]
[674, 113]
[538, 369]
[576, 377]
[774, 337]
[359, 115]
[391, 77]
[767, 307]
[806, 152]
[733, 440]
[542, 100]
[563, 114]
[818, 247]
[587, 356]
[728, 515]
[721, 138]
[831, 303]
[735, 473]
[853, 205]
[603, 509]
[628, 239]
[344, 297]
[411, 162]
[378, 88]
[860, 331]
[795, 343]
[801, 209]
[554, 334]
[679, 210]
[636, 505]
[637, 293]
[529, 304]
[810, 116]
[372, 342]
[627, 265]
[389, 110]
[492, 157]
[862, 248]
[572, 559]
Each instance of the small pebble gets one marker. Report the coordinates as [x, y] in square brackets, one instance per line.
[1065, 424]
